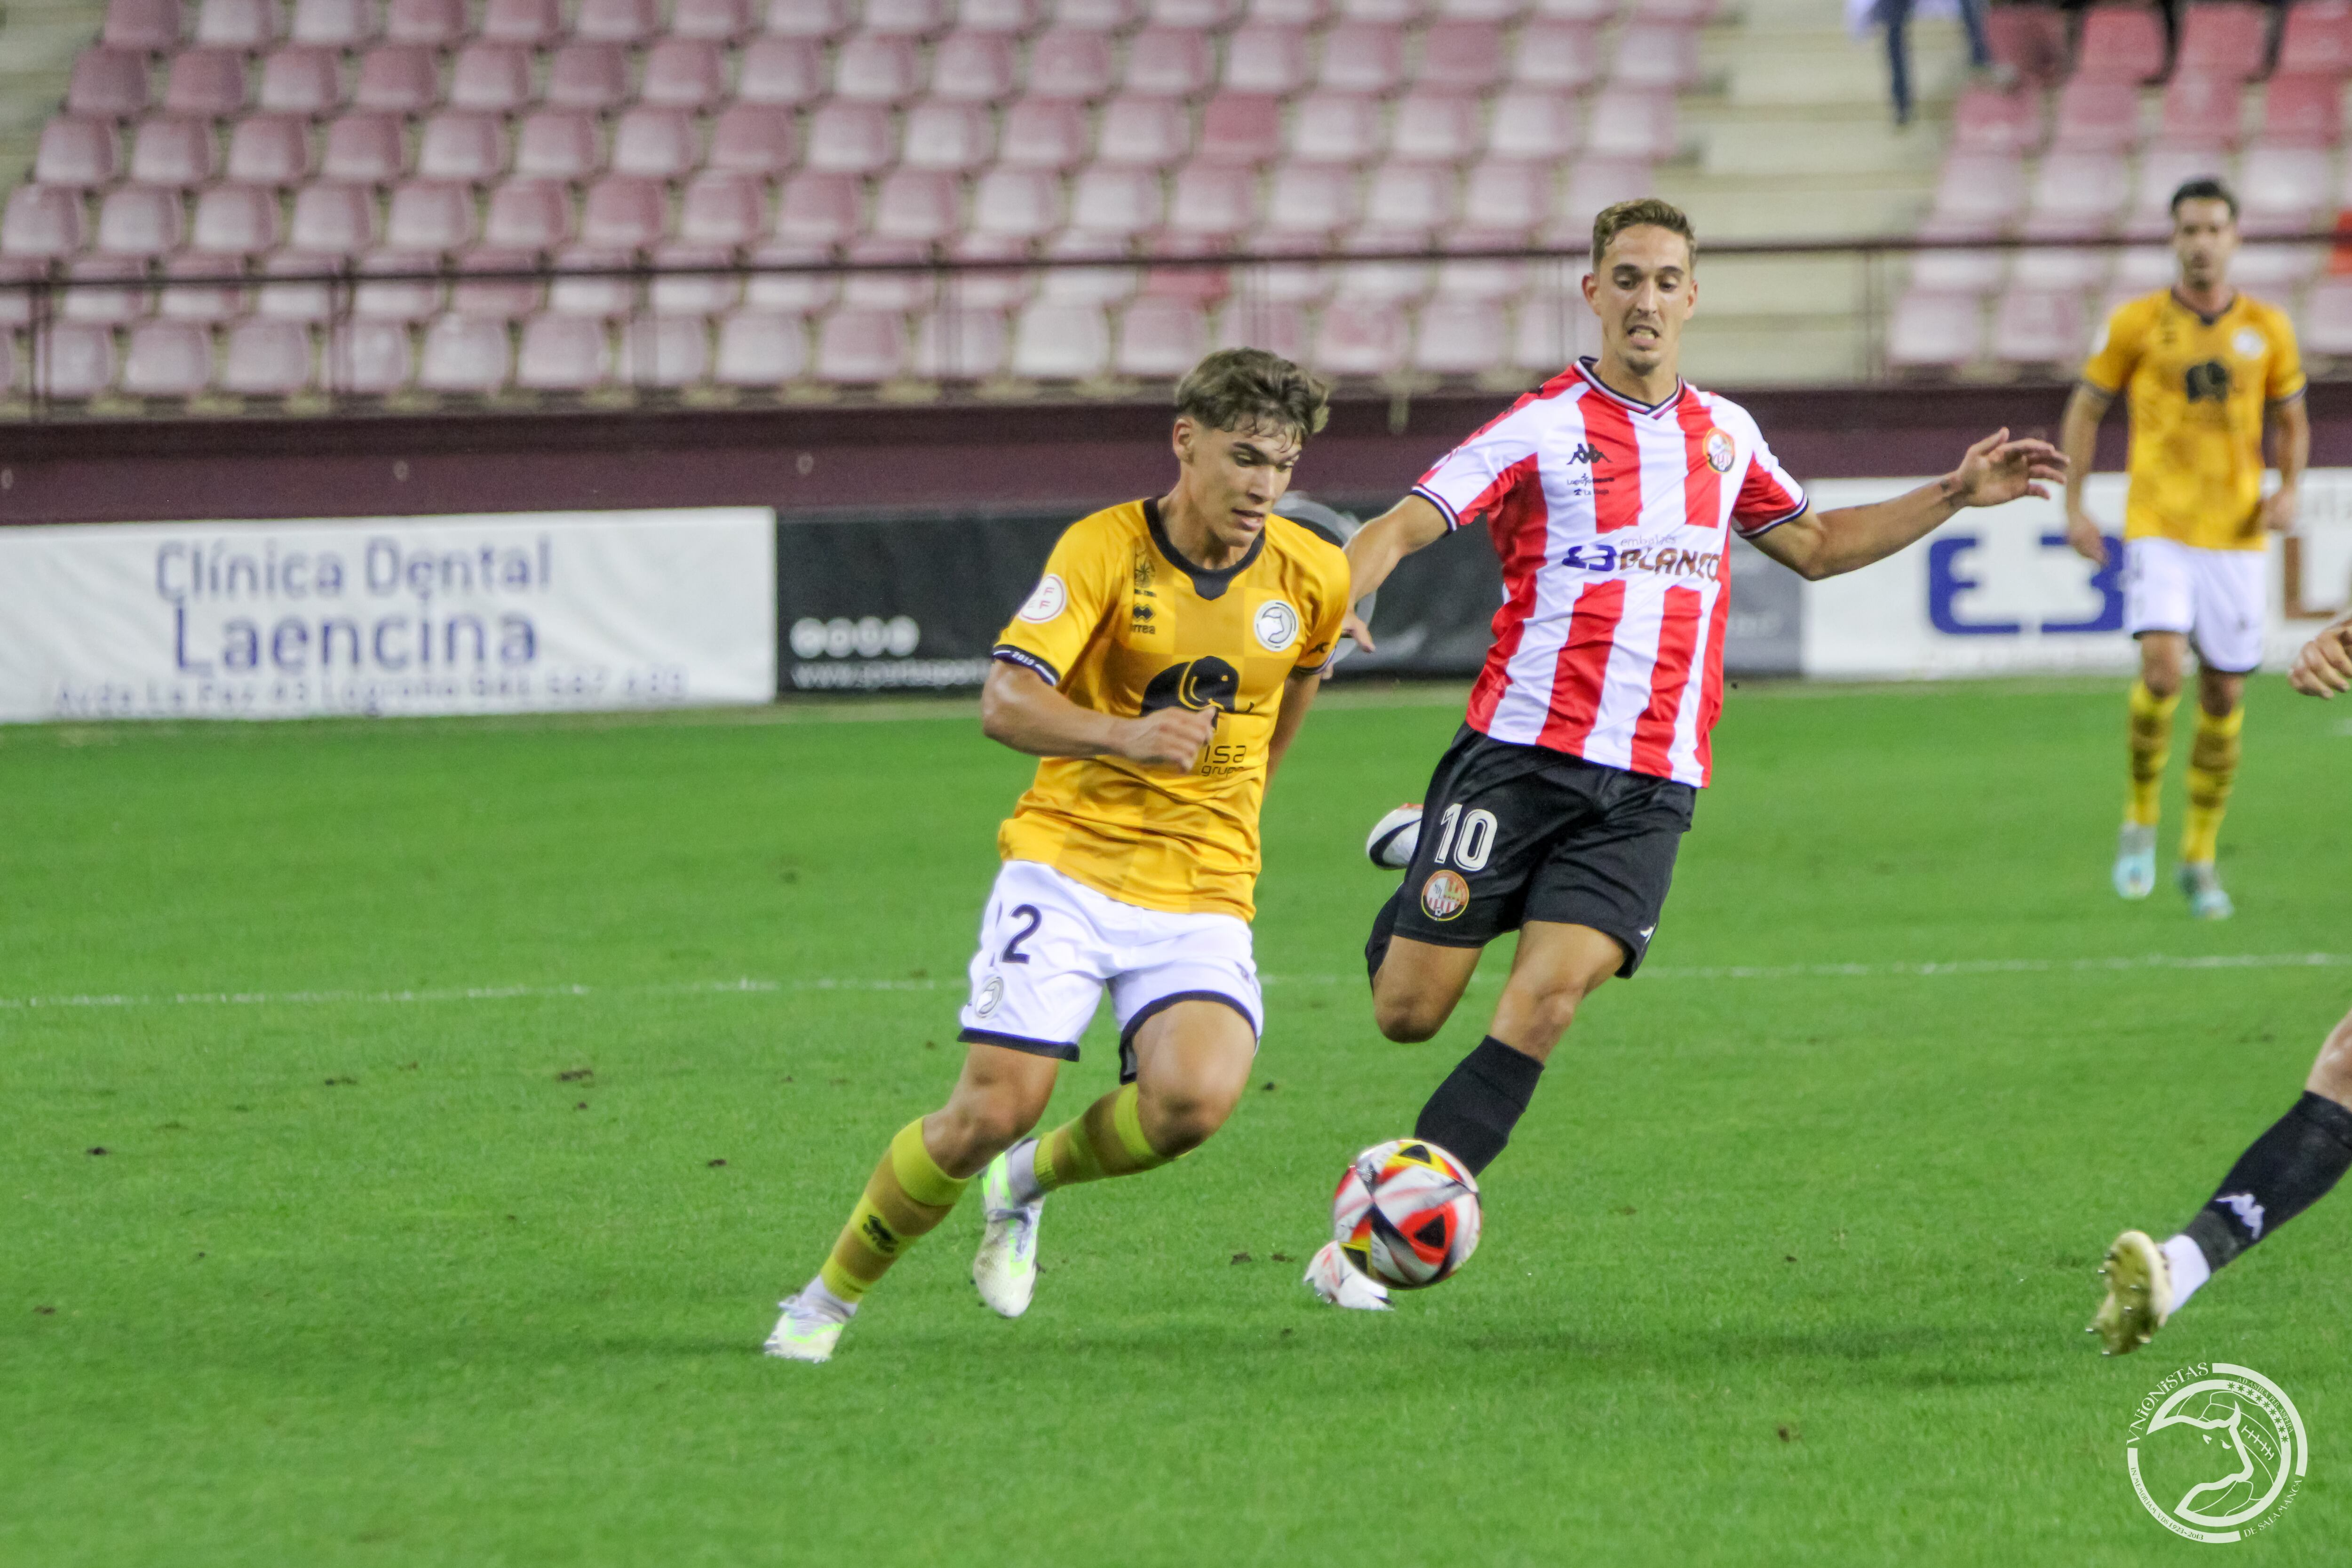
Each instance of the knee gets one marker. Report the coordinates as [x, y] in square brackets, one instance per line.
[1180, 1121]
[975, 1129]
[2161, 677]
[2331, 1074]
[1407, 1019]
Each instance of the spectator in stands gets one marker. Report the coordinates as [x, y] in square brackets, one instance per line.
[1894, 15]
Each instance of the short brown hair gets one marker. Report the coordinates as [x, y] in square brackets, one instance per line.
[1238, 389]
[1613, 221]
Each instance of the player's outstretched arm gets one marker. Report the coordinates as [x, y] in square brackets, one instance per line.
[2324, 668]
[1379, 545]
[1020, 710]
[1996, 471]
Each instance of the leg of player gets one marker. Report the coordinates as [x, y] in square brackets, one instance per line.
[1416, 985]
[2212, 769]
[1192, 1061]
[997, 1100]
[2153, 696]
[2282, 1173]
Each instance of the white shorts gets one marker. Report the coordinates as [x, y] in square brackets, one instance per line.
[2215, 596]
[1048, 946]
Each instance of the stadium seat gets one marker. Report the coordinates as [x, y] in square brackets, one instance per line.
[858, 346]
[72, 362]
[780, 71]
[492, 298]
[2316, 39]
[464, 354]
[207, 82]
[2326, 324]
[1146, 133]
[2077, 195]
[563, 353]
[2283, 189]
[302, 79]
[590, 76]
[761, 348]
[973, 67]
[1977, 195]
[390, 290]
[1956, 271]
[167, 359]
[793, 292]
[1000, 15]
[1390, 13]
[1593, 185]
[1480, 280]
[587, 284]
[662, 350]
[527, 215]
[1390, 282]
[1529, 123]
[1275, 327]
[150, 25]
[1436, 127]
[1460, 337]
[1309, 199]
[360, 149]
[1361, 338]
[96, 290]
[1061, 342]
[849, 138]
[430, 216]
[1360, 56]
[440, 24]
[458, 146]
[533, 23]
[556, 145]
[1044, 134]
[139, 220]
[1088, 285]
[2162, 172]
[2304, 111]
[1631, 123]
[1410, 198]
[816, 19]
[1169, 62]
[752, 139]
[658, 144]
[1240, 127]
[274, 149]
[266, 359]
[1301, 283]
[1159, 339]
[201, 302]
[1661, 59]
[683, 73]
[234, 220]
[1987, 119]
[1930, 329]
[1508, 10]
[954, 137]
[2029, 40]
[77, 152]
[910, 19]
[1335, 128]
[1466, 56]
[718, 21]
[403, 79]
[616, 21]
[173, 150]
[2275, 271]
[1205, 14]
[337, 24]
[1503, 201]
[1260, 58]
[2201, 112]
[2040, 327]
[1554, 56]
[624, 213]
[2119, 43]
[332, 221]
[2223, 40]
[1015, 204]
[249, 25]
[687, 294]
[288, 302]
[1069, 62]
[915, 204]
[960, 344]
[108, 83]
[1208, 205]
[490, 78]
[1115, 202]
[870, 69]
[818, 209]
[2047, 267]
[2097, 116]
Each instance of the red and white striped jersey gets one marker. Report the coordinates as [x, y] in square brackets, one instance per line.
[1611, 517]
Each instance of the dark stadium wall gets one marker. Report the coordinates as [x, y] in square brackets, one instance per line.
[936, 459]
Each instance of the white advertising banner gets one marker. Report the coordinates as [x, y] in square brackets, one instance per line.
[1996, 591]
[514, 613]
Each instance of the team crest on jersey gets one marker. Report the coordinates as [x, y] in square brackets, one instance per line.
[1445, 895]
[988, 996]
[1047, 601]
[1277, 624]
[2248, 342]
[1720, 452]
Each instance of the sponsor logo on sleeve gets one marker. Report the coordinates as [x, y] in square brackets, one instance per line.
[1277, 624]
[1050, 599]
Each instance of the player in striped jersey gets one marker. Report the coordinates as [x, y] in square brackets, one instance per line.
[1610, 493]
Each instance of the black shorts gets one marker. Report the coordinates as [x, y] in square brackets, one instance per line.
[1512, 834]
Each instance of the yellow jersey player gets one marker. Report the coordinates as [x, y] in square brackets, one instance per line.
[2201, 365]
[1160, 668]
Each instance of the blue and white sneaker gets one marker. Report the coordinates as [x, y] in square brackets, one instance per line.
[2207, 901]
[808, 1329]
[1005, 1269]
[2135, 860]
[1394, 838]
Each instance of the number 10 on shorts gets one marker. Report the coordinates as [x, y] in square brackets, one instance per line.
[1474, 843]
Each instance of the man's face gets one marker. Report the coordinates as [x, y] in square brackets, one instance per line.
[2204, 237]
[1643, 291]
[1236, 476]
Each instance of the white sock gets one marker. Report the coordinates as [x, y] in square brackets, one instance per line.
[1021, 1172]
[814, 1294]
[2189, 1268]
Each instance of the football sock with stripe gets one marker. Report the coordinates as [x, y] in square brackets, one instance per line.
[1106, 1139]
[904, 1198]
[1471, 1113]
[2151, 746]
[2212, 769]
[2282, 1173]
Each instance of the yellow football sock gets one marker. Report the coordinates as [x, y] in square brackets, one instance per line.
[1107, 1140]
[2212, 769]
[2152, 745]
[906, 1196]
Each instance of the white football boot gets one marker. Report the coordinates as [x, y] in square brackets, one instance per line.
[1394, 838]
[2207, 901]
[1005, 1269]
[2140, 1294]
[807, 1331]
[2135, 860]
[1340, 1283]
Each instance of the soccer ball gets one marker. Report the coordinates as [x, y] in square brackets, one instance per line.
[1406, 1213]
[1395, 838]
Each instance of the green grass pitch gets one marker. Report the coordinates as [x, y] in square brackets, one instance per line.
[445, 1193]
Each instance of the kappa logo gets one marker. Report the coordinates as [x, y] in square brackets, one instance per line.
[2249, 1212]
[1585, 453]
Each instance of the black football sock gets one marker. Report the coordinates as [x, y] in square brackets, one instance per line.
[2281, 1173]
[1471, 1113]
[1376, 948]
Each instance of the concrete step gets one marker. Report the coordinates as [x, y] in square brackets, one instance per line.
[1827, 144]
[1830, 67]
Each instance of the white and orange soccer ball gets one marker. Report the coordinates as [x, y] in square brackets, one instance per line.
[1406, 1213]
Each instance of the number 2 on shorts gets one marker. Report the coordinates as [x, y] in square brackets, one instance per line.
[1477, 840]
[1028, 912]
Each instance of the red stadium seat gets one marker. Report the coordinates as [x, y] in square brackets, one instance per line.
[2031, 40]
[1632, 123]
[104, 300]
[1529, 123]
[527, 215]
[2304, 111]
[1496, 10]
[274, 149]
[818, 20]
[430, 216]
[172, 150]
[332, 221]
[249, 25]
[861, 347]
[659, 143]
[2283, 188]
[1335, 128]
[1558, 57]
[1205, 14]
[1015, 204]
[1066, 62]
[1987, 119]
[1480, 280]
[301, 79]
[588, 76]
[2077, 195]
[1362, 57]
[1361, 339]
[913, 205]
[2044, 327]
[457, 146]
[439, 23]
[1061, 342]
[208, 82]
[1000, 15]
[1169, 62]
[555, 145]
[781, 71]
[1309, 199]
[1044, 134]
[752, 139]
[77, 152]
[722, 209]
[337, 24]
[152, 26]
[1091, 285]
[1146, 133]
[1209, 202]
[681, 294]
[2315, 40]
[2120, 43]
[662, 350]
[870, 69]
[2062, 267]
[403, 79]
[818, 209]
[1240, 127]
[684, 73]
[616, 21]
[594, 288]
[201, 303]
[361, 149]
[236, 220]
[761, 348]
[563, 353]
[2223, 40]
[973, 67]
[956, 138]
[369, 359]
[1978, 195]
[139, 220]
[1159, 339]
[390, 291]
[167, 359]
[73, 363]
[1467, 56]
[1393, 12]
[960, 343]
[2161, 171]
[267, 358]
[1115, 202]
[1943, 330]
[1460, 337]
[623, 212]
[464, 354]
[1595, 184]
[108, 83]
[1260, 58]
[1410, 197]
[719, 21]
[533, 23]
[2201, 112]
[1275, 327]
[912, 18]
[1435, 126]
[849, 138]
[2098, 116]
[1389, 282]
[296, 301]
[1659, 58]
[794, 293]
[1503, 202]
[2326, 324]
[496, 299]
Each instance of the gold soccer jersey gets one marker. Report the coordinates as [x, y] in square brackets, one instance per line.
[2198, 389]
[1122, 625]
